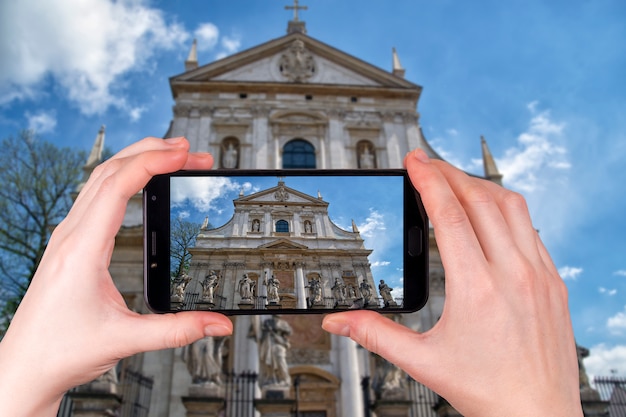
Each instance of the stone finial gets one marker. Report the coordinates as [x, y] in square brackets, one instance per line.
[397, 70]
[489, 163]
[192, 59]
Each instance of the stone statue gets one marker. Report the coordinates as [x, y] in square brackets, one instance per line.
[385, 293]
[315, 292]
[180, 284]
[366, 292]
[230, 157]
[209, 285]
[307, 227]
[246, 288]
[273, 352]
[389, 380]
[256, 225]
[204, 360]
[339, 292]
[366, 159]
[273, 284]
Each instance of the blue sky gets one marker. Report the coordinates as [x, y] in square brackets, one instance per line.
[379, 220]
[543, 81]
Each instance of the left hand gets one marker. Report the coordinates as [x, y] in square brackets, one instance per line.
[73, 324]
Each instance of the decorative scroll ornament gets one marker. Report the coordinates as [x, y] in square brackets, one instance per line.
[297, 64]
[281, 194]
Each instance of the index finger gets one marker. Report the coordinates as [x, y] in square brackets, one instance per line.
[459, 246]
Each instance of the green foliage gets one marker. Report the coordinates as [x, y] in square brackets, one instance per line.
[37, 178]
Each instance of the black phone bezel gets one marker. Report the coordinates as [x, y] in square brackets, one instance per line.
[156, 221]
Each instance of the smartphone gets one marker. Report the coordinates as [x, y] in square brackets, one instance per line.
[284, 241]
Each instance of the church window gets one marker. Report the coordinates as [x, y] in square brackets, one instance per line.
[282, 226]
[308, 97]
[229, 153]
[298, 153]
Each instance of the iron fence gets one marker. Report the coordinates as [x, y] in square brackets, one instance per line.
[613, 390]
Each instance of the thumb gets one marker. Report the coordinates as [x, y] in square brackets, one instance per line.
[163, 331]
[382, 336]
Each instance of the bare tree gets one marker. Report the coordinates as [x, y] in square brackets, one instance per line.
[37, 178]
[182, 237]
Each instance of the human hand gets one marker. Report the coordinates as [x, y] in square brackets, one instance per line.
[504, 345]
[73, 324]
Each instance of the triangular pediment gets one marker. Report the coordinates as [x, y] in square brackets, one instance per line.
[281, 195]
[294, 59]
[283, 244]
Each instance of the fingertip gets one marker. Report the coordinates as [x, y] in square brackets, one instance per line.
[336, 324]
[218, 325]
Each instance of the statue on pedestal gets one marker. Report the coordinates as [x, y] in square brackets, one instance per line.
[385, 293]
[180, 284]
[209, 285]
[204, 360]
[273, 284]
[339, 292]
[366, 292]
[246, 289]
[273, 352]
[315, 292]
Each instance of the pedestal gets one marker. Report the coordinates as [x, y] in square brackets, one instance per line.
[275, 407]
[203, 406]
[204, 305]
[245, 306]
[204, 400]
[392, 408]
[274, 306]
[593, 406]
[94, 404]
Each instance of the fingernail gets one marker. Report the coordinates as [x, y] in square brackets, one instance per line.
[217, 330]
[174, 141]
[421, 156]
[338, 327]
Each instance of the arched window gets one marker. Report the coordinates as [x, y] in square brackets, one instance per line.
[282, 226]
[298, 153]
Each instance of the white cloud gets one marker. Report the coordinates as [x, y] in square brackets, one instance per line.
[606, 291]
[231, 44]
[373, 224]
[202, 192]
[85, 46]
[380, 263]
[621, 273]
[538, 154]
[617, 323]
[570, 272]
[207, 35]
[42, 122]
[604, 361]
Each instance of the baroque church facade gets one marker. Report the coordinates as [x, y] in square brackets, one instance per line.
[292, 102]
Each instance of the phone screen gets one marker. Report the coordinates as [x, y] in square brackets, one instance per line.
[285, 241]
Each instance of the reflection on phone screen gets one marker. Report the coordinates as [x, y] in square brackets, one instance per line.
[292, 242]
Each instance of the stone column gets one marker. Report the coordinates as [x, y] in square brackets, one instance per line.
[300, 291]
[351, 392]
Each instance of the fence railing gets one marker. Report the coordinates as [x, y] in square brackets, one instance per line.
[613, 390]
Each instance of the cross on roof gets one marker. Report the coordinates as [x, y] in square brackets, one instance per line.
[295, 9]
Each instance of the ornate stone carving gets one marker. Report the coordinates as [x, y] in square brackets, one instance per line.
[274, 345]
[297, 64]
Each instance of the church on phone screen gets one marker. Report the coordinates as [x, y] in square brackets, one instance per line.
[290, 102]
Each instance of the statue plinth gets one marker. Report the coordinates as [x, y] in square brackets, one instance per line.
[275, 402]
[246, 305]
[198, 406]
[205, 305]
[88, 403]
[208, 390]
[318, 306]
[274, 306]
[392, 408]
